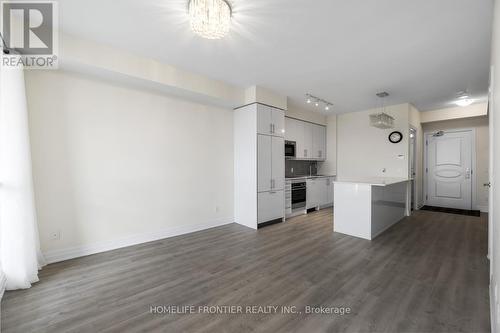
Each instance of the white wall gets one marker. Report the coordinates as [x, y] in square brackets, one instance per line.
[480, 124]
[495, 179]
[363, 151]
[114, 165]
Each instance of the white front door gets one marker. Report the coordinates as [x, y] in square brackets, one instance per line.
[449, 169]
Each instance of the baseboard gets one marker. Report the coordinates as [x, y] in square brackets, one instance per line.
[483, 209]
[85, 250]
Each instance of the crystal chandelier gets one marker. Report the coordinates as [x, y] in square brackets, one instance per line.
[210, 18]
[382, 120]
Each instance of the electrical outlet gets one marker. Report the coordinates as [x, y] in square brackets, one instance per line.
[55, 235]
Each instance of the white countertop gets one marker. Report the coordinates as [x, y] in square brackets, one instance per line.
[306, 177]
[374, 181]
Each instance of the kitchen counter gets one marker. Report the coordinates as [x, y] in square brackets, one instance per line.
[308, 177]
[374, 181]
[366, 207]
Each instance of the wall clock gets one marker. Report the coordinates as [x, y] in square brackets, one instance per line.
[395, 137]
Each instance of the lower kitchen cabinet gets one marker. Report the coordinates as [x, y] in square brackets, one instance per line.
[270, 205]
[319, 192]
[314, 193]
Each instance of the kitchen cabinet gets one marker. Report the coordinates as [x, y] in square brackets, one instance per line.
[277, 163]
[319, 142]
[270, 163]
[293, 130]
[319, 192]
[264, 160]
[270, 206]
[329, 191]
[310, 139]
[270, 121]
[259, 164]
[313, 196]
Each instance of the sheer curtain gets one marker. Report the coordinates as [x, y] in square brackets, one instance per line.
[20, 255]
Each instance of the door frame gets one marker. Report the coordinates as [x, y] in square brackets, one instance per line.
[415, 161]
[473, 163]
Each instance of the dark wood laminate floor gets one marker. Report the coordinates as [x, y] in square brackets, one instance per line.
[429, 273]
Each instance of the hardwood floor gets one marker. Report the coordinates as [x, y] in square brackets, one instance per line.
[428, 273]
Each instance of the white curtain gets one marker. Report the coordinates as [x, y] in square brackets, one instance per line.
[20, 255]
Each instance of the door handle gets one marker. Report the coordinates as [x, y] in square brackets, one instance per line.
[467, 173]
[487, 184]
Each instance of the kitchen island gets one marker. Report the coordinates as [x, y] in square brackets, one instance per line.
[366, 207]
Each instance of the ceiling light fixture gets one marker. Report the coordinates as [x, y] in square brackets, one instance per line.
[463, 99]
[210, 18]
[382, 120]
[318, 101]
[464, 102]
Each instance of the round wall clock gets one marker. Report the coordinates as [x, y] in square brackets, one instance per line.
[395, 137]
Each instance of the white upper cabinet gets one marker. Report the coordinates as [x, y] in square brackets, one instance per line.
[291, 129]
[319, 142]
[270, 121]
[278, 120]
[264, 120]
[310, 139]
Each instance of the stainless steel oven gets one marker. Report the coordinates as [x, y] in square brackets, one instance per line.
[299, 191]
[290, 149]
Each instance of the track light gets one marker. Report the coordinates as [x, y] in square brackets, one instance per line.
[318, 101]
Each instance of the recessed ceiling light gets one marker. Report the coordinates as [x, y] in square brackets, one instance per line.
[464, 102]
[210, 18]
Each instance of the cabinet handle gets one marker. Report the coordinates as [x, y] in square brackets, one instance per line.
[305, 152]
[270, 128]
[319, 153]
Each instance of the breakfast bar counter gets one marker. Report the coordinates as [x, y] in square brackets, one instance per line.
[366, 207]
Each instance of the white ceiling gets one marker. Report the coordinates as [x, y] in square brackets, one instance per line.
[343, 51]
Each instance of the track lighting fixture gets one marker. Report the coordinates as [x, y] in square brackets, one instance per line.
[318, 101]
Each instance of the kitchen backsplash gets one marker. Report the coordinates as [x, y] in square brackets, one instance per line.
[294, 168]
